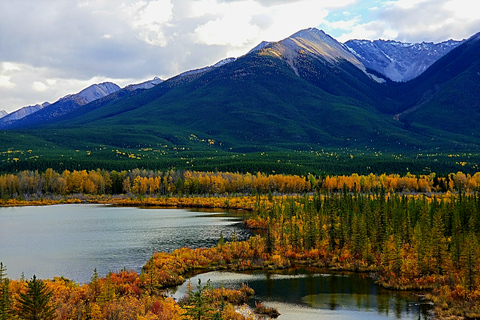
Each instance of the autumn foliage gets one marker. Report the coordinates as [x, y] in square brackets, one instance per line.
[411, 232]
[34, 185]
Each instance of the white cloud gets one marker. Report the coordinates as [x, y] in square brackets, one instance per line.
[430, 20]
[39, 86]
[75, 43]
[5, 82]
[150, 18]
[9, 66]
[233, 27]
[407, 4]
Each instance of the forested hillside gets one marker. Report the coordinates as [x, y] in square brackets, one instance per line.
[304, 93]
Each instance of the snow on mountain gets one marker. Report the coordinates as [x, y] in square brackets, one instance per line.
[205, 69]
[92, 93]
[144, 85]
[260, 46]
[46, 111]
[3, 113]
[399, 61]
[314, 42]
[224, 62]
[23, 112]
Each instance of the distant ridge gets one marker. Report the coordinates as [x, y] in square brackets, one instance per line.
[307, 91]
[65, 105]
[21, 113]
[399, 61]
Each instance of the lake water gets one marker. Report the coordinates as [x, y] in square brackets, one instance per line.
[315, 294]
[71, 240]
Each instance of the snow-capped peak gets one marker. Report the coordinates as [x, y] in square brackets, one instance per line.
[397, 60]
[144, 85]
[97, 91]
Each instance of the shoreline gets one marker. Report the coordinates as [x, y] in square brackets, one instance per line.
[246, 203]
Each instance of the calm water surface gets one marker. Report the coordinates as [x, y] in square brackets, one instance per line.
[71, 240]
[313, 294]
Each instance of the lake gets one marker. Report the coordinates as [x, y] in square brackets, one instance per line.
[316, 294]
[71, 240]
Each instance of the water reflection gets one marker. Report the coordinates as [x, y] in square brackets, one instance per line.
[72, 240]
[309, 294]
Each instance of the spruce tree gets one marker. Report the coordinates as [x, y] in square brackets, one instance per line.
[3, 272]
[200, 302]
[6, 302]
[5, 297]
[35, 303]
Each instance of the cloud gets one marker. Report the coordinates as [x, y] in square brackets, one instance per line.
[5, 82]
[65, 45]
[39, 86]
[149, 18]
[419, 20]
[232, 27]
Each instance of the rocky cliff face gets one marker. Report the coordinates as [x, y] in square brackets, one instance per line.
[399, 61]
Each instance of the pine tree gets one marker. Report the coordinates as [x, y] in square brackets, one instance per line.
[5, 297]
[469, 261]
[438, 242]
[35, 303]
[95, 284]
[200, 302]
[5, 301]
[221, 240]
[3, 272]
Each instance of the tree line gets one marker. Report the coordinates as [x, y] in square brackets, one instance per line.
[407, 241]
[410, 241]
[148, 182]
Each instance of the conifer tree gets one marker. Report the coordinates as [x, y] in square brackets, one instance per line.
[35, 303]
[200, 302]
[5, 301]
[469, 261]
[5, 297]
[95, 284]
[438, 242]
[3, 272]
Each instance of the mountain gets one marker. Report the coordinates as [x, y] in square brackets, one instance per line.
[308, 88]
[21, 113]
[446, 96]
[399, 61]
[3, 113]
[306, 92]
[144, 85]
[40, 114]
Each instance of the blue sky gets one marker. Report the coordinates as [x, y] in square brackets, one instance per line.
[51, 48]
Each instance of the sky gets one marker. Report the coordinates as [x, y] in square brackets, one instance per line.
[51, 48]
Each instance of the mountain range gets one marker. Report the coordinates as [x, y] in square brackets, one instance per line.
[306, 91]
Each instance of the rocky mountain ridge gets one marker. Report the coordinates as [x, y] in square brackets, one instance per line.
[399, 61]
[394, 60]
[46, 111]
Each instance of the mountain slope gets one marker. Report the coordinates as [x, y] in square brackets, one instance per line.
[277, 94]
[21, 113]
[448, 93]
[306, 91]
[62, 107]
[399, 61]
